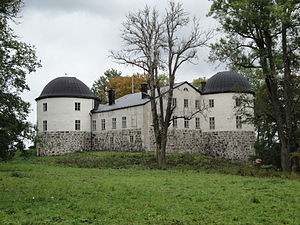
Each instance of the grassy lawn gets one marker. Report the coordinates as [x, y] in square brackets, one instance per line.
[126, 188]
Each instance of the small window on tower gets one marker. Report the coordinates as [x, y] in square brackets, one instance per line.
[45, 125]
[197, 104]
[45, 107]
[77, 106]
[211, 103]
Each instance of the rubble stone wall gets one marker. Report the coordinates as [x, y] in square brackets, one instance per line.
[63, 142]
[129, 140]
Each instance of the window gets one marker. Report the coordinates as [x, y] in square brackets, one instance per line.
[174, 102]
[111, 140]
[45, 125]
[186, 123]
[77, 124]
[133, 121]
[197, 123]
[174, 122]
[211, 103]
[197, 104]
[124, 122]
[185, 89]
[102, 124]
[45, 108]
[94, 125]
[211, 123]
[186, 103]
[114, 123]
[77, 106]
[238, 120]
[238, 102]
[131, 139]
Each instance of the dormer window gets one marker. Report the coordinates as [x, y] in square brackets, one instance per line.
[77, 106]
[45, 107]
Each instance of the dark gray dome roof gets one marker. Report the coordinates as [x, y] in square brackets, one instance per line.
[227, 81]
[66, 87]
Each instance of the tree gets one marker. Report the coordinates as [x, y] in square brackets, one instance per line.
[17, 59]
[99, 86]
[263, 35]
[156, 44]
[198, 82]
[126, 85]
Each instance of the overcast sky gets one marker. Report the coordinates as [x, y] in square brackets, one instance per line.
[75, 37]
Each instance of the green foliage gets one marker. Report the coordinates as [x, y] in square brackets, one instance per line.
[261, 40]
[44, 193]
[99, 87]
[17, 59]
[197, 83]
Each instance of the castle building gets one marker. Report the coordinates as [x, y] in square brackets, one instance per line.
[70, 118]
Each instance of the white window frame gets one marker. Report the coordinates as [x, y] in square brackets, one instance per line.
[175, 122]
[113, 123]
[77, 124]
[103, 124]
[211, 103]
[45, 107]
[238, 122]
[45, 125]
[94, 125]
[197, 104]
[186, 123]
[131, 139]
[197, 122]
[77, 106]
[185, 103]
[124, 122]
[212, 123]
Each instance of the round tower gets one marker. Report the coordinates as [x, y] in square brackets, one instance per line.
[63, 117]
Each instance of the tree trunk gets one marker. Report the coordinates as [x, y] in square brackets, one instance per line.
[161, 153]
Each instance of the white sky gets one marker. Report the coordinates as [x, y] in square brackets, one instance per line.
[75, 37]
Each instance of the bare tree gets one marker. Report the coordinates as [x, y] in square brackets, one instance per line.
[156, 43]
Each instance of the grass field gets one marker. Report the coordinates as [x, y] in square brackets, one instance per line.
[126, 188]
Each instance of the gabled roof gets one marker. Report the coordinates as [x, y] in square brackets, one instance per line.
[134, 99]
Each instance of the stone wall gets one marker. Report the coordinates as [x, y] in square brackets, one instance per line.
[233, 145]
[63, 142]
[118, 140]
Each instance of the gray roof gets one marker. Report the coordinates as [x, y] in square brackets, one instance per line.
[66, 87]
[227, 81]
[131, 100]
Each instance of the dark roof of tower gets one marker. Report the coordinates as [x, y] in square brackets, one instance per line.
[227, 81]
[66, 87]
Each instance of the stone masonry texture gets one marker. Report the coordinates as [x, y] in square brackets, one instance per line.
[233, 145]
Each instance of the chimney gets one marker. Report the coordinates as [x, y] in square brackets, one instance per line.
[111, 97]
[203, 83]
[144, 90]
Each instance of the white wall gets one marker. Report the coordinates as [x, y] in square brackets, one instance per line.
[223, 112]
[61, 114]
[134, 118]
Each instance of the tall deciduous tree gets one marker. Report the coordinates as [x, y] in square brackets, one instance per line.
[99, 87]
[157, 44]
[126, 85]
[263, 35]
[17, 59]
